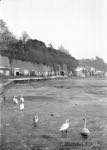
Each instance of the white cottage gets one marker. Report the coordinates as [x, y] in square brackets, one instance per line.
[16, 71]
[4, 71]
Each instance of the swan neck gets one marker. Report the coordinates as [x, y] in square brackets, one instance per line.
[85, 124]
[67, 121]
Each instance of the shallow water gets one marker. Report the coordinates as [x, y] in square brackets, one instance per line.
[55, 101]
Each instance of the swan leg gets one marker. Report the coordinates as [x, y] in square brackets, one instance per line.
[66, 131]
[34, 124]
[62, 132]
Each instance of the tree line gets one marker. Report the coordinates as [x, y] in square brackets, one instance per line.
[98, 63]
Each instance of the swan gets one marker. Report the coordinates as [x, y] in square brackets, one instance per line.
[4, 99]
[85, 131]
[21, 99]
[22, 106]
[65, 126]
[15, 100]
[35, 120]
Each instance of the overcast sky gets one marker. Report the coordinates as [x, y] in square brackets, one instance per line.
[79, 25]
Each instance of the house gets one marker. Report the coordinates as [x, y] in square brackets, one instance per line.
[4, 71]
[16, 71]
[26, 72]
[99, 73]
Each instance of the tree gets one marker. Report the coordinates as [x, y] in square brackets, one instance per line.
[26, 49]
[6, 37]
[7, 41]
[97, 63]
[50, 46]
[25, 37]
[62, 49]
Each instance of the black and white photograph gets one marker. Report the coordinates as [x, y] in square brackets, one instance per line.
[53, 74]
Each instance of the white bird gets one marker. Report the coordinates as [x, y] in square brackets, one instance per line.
[21, 106]
[35, 120]
[15, 100]
[21, 99]
[65, 126]
[85, 131]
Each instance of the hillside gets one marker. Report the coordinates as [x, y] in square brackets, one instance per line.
[36, 51]
[97, 63]
[33, 50]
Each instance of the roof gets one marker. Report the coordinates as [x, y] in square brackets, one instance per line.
[4, 68]
[79, 69]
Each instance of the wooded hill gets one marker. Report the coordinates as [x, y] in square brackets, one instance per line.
[33, 50]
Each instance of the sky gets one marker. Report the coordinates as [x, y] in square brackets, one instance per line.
[79, 25]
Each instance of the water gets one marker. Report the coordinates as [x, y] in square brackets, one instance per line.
[55, 101]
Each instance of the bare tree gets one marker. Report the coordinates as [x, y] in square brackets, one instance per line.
[50, 46]
[61, 48]
[25, 37]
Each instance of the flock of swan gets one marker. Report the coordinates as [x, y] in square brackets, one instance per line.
[15, 101]
[64, 127]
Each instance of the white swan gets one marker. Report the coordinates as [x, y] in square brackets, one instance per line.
[35, 120]
[85, 131]
[64, 127]
[21, 106]
[15, 100]
[21, 99]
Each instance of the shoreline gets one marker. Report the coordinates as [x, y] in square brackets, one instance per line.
[6, 82]
[9, 80]
[13, 79]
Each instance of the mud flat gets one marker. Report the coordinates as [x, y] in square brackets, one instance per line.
[55, 101]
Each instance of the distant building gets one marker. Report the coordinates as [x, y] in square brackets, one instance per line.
[99, 73]
[79, 71]
[26, 72]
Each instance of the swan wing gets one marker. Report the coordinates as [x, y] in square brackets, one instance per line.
[15, 100]
[22, 106]
[64, 127]
[36, 120]
[85, 131]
